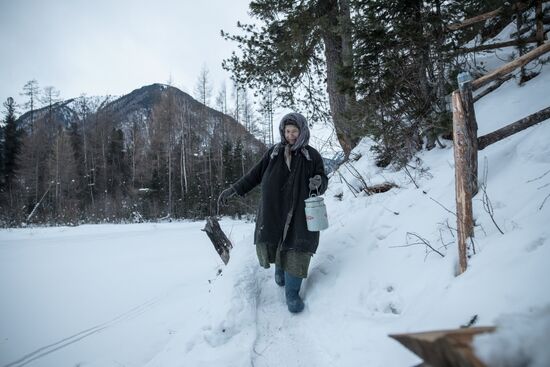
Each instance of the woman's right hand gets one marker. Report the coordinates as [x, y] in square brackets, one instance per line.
[225, 195]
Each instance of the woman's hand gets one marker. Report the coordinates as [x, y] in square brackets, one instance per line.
[225, 195]
[315, 182]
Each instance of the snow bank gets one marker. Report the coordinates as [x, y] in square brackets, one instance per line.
[520, 340]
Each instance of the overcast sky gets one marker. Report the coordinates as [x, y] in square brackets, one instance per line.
[104, 47]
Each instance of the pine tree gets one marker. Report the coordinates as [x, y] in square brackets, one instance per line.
[11, 146]
[301, 46]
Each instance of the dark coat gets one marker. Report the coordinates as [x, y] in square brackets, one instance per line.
[283, 194]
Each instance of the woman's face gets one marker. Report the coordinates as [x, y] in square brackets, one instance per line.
[291, 134]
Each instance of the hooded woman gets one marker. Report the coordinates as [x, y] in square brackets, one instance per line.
[288, 173]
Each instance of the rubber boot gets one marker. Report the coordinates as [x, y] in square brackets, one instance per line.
[279, 276]
[292, 287]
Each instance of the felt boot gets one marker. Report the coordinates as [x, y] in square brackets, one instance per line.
[292, 287]
[279, 276]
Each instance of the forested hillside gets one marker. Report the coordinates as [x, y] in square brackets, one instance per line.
[153, 153]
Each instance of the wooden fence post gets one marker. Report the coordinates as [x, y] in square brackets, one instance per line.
[465, 154]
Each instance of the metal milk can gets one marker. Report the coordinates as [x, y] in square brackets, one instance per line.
[316, 214]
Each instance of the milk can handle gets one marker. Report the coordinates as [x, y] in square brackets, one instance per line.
[313, 195]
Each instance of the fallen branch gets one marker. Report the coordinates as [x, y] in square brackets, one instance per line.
[380, 188]
[544, 201]
[538, 178]
[438, 203]
[39, 202]
[486, 201]
[411, 177]
[422, 241]
[353, 190]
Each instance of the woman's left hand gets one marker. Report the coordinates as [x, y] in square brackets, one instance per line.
[315, 182]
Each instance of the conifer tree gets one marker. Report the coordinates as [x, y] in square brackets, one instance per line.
[301, 46]
[11, 145]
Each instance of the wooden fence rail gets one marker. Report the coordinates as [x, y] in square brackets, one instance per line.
[466, 146]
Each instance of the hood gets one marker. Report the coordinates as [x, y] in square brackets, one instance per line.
[300, 121]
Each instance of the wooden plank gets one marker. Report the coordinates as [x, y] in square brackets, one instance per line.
[444, 348]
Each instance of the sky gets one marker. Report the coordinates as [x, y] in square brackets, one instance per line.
[112, 47]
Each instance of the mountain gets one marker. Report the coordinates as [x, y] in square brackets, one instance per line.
[140, 106]
[62, 113]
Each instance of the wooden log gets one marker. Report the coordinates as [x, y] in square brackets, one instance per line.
[221, 243]
[471, 125]
[511, 66]
[482, 17]
[380, 188]
[444, 348]
[515, 127]
[464, 144]
[492, 46]
[493, 87]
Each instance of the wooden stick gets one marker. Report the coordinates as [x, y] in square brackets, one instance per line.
[511, 66]
[515, 127]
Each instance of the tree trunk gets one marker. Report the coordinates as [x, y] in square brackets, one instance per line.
[169, 180]
[521, 46]
[540, 24]
[340, 85]
[183, 168]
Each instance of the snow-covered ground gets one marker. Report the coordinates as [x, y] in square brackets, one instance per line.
[153, 295]
[103, 295]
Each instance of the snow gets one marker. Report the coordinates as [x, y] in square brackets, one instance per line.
[158, 294]
[520, 340]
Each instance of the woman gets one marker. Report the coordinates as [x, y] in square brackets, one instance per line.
[289, 172]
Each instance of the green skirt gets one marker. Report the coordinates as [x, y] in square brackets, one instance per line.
[294, 262]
